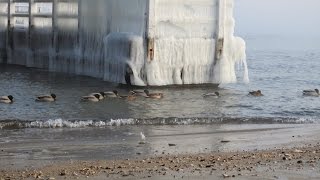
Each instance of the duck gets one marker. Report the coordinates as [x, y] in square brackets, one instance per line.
[46, 98]
[255, 93]
[91, 98]
[153, 95]
[111, 94]
[138, 93]
[102, 95]
[215, 94]
[6, 99]
[311, 92]
[132, 96]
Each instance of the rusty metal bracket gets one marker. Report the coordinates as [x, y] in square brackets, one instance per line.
[150, 49]
[219, 49]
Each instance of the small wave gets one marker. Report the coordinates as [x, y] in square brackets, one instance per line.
[239, 106]
[61, 123]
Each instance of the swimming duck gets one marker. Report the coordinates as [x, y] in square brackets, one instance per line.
[91, 98]
[132, 96]
[111, 94]
[153, 95]
[256, 93]
[6, 99]
[311, 92]
[102, 95]
[46, 98]
[138, 93]
[215, 94]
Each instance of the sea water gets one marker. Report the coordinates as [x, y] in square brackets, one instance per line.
[280, 72]
[33, 134]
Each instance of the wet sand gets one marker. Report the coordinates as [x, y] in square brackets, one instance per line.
[183, 152]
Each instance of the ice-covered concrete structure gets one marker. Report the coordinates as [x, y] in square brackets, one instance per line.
[142, 42]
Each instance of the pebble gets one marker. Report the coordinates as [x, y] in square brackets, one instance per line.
[225, 175]
[125, 174]
[63, 173]
[198, 163]
[298, 151]
[165, 169]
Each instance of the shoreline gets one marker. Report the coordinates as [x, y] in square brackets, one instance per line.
[298, 162]
[170, 152]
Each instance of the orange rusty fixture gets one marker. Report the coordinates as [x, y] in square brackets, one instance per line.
[150, 49]
[219, 49]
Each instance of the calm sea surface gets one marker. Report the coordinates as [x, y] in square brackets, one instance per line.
[281, 70]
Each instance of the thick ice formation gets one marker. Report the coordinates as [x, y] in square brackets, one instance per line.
[234, 50]
[124, 51]
[143, 42]
[184, 35]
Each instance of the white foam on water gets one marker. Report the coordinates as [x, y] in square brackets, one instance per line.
[60, 123]
[305, 120]
[120, 122]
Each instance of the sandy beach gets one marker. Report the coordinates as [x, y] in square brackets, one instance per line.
[178, 152]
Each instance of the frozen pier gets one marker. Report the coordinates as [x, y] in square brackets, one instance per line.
[138, 42]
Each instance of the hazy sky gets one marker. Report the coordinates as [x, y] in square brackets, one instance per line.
[269, 17]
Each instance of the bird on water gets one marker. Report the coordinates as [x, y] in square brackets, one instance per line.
[311, 92]
[102, 95]
[111, 94]
[91, 98]
[46, 98]
[131, 97]
[138, 93]
[215, 94]
[6, 99]
[256, 93]
[153, 95]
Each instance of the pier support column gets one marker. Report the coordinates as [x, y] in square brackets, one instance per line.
[54, 25]
[9, 33]
[30, 50]
[80, 59]
[150, 31]
[220, 34]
